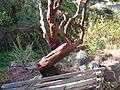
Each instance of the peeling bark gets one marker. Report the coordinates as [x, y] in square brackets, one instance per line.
[45, 34]
[63, 50]
[56, 55]
[53, 28]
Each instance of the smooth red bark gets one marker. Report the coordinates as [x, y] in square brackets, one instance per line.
[52, 26]
[59, 52]
[56, 55]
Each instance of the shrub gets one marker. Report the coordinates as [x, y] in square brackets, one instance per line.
[5, 19]
[103, 33]
[23, 55]
[4, 60]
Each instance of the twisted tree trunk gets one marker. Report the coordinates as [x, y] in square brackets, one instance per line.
[63, 50]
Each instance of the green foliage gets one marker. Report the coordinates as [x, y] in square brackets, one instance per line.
[98, 15]
[95, 44]
[44, 3]
[16, 14]
[5, 19]
[109, 85]
[28, 13]
[24, 54]
[21, 55]
[115, 0]
[68, 7]
[25, 11]
[39, 44]
[5, 59]
[103, 33]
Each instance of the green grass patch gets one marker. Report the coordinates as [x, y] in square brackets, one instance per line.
[5, 60]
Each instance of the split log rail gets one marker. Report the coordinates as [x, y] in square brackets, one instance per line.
[70, 81]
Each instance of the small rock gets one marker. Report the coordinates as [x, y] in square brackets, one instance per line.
[0, 86]
[83, 67]
[14, 64]
[81, 57]
[99, 6]
[109, 75]
[32, 65]
[93, 65]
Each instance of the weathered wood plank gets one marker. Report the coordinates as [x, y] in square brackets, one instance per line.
[79, 84]
[17, 88]
[56, 80]
[68, 80]
[67, 75]
[21, 84]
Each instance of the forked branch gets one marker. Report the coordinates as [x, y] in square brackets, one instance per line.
[67, 36]
[63, 50]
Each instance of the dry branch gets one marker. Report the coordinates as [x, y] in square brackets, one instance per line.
[45, 35]
[83, 19]
[67, 36]
[57, 4]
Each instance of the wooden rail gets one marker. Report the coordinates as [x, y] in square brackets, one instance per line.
[69, 81]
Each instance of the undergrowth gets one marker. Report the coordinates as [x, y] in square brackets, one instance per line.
[24, 55]
[5, 60]
[103, 33]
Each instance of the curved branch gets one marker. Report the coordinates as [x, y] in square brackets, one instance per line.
[70, 19]
[61, 24]
[83, 19]
[57, 4]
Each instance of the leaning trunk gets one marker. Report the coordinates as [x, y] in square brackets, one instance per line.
[56, 55]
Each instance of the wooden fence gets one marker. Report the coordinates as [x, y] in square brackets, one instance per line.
[69, 81]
